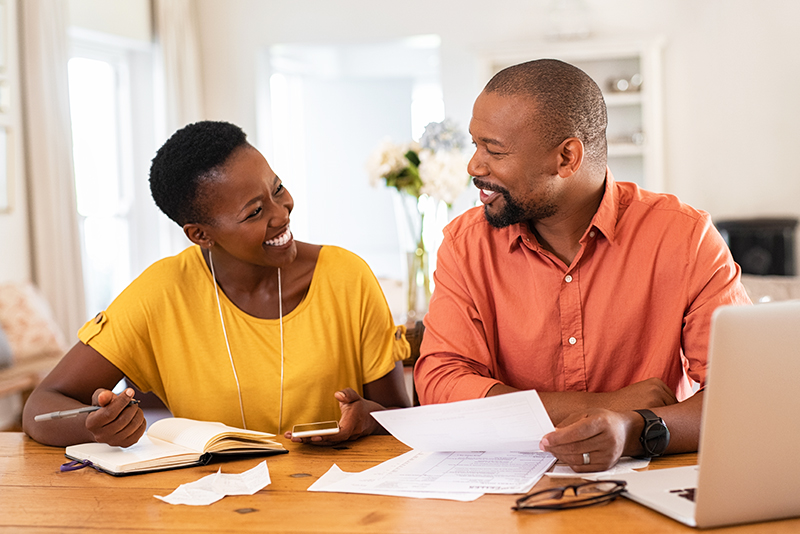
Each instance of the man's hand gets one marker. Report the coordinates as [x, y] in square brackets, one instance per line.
[115, 423]
[650, 393]
[607, 434]
[356, 420]
[603, 434]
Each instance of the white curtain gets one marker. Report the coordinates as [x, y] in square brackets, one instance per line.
[48, 154]
[177, 37]
[178, 60]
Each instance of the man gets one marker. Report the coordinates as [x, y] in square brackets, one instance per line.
[595, 293]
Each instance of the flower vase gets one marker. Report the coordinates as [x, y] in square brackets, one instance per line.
[419, 283]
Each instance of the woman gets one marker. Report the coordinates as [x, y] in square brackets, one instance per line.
[248, 326]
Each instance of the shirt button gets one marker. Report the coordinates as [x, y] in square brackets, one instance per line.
[591, 234]
[568, 279]
[572, 341]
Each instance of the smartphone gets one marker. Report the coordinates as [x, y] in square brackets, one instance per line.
[322, 428]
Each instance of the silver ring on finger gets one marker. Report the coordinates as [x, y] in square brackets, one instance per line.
[586, 458]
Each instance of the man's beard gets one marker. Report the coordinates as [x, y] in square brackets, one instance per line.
[513, 212]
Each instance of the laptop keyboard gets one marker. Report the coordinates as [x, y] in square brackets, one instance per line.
[687, 493]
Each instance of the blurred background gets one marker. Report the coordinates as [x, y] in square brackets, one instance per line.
[701, 95]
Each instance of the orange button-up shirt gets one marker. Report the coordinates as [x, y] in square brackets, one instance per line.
[635, 303]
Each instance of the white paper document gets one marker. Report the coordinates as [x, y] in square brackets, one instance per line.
[212, 488]
[626, 464]
[458, 475]
[513, 422]
[336, 480]
[461, 450]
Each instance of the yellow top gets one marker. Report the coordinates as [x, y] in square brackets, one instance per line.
[164, 333]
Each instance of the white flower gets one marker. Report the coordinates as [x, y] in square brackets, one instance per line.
[436, 166]
[388, 158]
[443, 173]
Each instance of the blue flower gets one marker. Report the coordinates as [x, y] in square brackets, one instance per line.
[443, 136]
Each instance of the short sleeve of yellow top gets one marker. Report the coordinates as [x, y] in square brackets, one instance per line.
[164, 333]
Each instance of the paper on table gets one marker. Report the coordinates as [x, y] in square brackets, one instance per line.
[626, 464]
[462, 450]
[447, 475]
[513, 422]
[335, 478]
[212, 488]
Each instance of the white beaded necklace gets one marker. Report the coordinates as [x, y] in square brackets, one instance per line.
[228, 345]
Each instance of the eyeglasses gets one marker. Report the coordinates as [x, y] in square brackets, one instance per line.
[581, 495]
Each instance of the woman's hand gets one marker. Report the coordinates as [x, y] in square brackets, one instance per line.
[115, 422]
[356, 420]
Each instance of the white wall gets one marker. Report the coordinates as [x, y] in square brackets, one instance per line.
[127, 19]
[731, 69]
[15, 261]
[349, 212]
[732, 111]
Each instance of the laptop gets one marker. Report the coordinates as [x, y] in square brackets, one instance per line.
[749, 456]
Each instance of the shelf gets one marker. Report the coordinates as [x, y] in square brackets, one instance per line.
[634, 98]
[635, 118]
[625, 149]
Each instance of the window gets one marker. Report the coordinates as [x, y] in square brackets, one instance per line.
[102, 186]
[112, 146]
[324, 109]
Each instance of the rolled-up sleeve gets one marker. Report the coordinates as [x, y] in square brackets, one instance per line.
[714, 280]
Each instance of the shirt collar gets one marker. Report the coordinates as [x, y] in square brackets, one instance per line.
[605, 219]
[517, 233]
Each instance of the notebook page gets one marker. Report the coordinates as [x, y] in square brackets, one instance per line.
[196, 435]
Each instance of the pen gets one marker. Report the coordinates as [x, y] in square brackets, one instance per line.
[72, 413]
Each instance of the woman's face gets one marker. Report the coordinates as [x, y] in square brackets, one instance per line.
[249, 209]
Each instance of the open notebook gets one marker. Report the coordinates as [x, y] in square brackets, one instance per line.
[748, 468]
[175, 442]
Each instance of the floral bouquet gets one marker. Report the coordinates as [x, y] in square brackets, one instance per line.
[436, 166]
[431, 171]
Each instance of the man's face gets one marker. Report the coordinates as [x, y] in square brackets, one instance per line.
[516, 173]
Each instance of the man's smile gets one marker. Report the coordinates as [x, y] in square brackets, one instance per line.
[488, 192]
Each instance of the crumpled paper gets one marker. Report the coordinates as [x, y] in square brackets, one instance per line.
[212, 488]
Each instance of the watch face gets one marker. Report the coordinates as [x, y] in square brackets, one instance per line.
[655, 435]
[655, 438]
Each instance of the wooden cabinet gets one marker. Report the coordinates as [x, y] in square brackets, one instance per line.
[629, 73]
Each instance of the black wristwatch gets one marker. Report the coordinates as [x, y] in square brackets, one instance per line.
[655, 436]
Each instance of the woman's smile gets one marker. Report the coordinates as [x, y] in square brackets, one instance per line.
[284, 239]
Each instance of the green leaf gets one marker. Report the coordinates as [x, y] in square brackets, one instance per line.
[413, 157]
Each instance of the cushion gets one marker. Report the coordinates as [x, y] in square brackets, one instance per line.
[28, 323]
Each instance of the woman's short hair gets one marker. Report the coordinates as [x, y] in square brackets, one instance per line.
[190, 157]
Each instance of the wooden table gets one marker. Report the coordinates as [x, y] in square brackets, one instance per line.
[36, 497]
